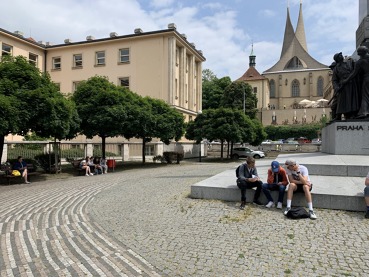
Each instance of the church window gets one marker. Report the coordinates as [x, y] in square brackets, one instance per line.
[320, 85]
[295, 86]
[294, 63]
[272, 88]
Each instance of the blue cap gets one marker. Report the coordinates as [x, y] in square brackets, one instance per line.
[275, 166]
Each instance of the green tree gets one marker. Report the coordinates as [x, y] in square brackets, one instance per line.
[26, 97]
[213, 89]
[234, 96]
[155, 119]
[103, 108]
[226, 125]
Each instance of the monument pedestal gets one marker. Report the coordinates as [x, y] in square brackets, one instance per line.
[349, 137]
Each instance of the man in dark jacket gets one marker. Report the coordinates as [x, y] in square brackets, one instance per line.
[248, 178]
[21, 166]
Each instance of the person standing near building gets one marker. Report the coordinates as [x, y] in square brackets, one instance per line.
[277, 180]
[298, 176]
[248, 178]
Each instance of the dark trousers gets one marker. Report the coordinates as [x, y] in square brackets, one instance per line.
[243, 185]
[268, 187]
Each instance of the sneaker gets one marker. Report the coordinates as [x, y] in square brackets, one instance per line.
[367, 214]
[279, 205]
[312, 214]
[242, 207]
[91, 174]
[286, 211]
[257, 202]
[270, 204]
[28, 182]
[87, 175]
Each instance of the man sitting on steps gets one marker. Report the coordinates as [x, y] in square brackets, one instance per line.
[298, 175]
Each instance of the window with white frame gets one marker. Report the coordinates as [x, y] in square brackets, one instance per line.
[124, 82]
[7, 50]
[124, 55]
[100, 58]
[75, 85]
[57, 63]
[77, 60]
[149, 150]
[33, 59]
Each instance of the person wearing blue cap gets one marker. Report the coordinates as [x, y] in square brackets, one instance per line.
[277, 180]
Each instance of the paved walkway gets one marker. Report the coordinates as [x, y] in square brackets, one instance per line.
[141, 222]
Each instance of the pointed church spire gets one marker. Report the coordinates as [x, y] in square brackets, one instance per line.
[300, 30]
[252, 57]
[289, 33]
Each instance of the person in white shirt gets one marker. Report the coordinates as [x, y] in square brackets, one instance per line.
[298, 176]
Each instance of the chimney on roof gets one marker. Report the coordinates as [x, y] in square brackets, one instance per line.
[172, 26]
[67, 40]
[89, 38]
[113, 34]
[184, 36]
[18, 33]
[138, 31]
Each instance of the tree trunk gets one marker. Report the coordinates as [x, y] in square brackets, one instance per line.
[2, 140]
[103, 145]
[221, 149]
[143, 149]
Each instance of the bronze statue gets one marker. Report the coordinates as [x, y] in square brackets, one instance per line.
[346, 93]
[361, 70]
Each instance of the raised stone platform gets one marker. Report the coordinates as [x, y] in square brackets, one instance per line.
[342, 190]
[349, 137]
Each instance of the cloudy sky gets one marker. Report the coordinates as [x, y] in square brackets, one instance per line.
[224, 30]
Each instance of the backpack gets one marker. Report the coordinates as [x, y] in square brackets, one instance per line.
[297, 213]
[238, 171]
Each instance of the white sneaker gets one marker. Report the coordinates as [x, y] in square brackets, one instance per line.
[91, 174]
[270, 204]
[312, 214]
[286, 211]
[279, 205]
[87, 175]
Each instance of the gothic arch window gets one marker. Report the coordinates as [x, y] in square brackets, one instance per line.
[272, 89]
[295, 63]
[320, 86]
[295, 88]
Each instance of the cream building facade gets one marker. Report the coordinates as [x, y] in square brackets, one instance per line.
[161, 64]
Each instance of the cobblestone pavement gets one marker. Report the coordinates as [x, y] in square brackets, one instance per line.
[141, 222]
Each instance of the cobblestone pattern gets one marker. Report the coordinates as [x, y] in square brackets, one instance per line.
[45, 231]
[151, 212]
[142, 223]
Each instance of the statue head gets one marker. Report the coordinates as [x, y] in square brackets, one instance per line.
[362, 50]
[338, 57]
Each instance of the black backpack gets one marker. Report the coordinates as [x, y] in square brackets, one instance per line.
[238, 170]
[297, 213]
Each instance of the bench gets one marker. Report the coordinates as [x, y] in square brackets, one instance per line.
[8, 176]
[75, 164]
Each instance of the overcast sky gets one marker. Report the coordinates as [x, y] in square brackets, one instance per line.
[224, 30]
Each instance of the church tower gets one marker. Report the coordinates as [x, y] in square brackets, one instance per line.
[296, 75]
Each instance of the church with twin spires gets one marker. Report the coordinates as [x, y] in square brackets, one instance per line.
[294, 77]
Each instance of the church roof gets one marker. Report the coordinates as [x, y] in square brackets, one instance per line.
[251, 74]
[294, 55]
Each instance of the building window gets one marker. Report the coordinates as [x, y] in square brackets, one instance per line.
[7, 50]
[295, 86]
[100, 58]
[124, 82]
[272, 88]
[77, 60]
[149, 150]
[295, 63]
[57, 85]
[320, 85]
[75, 85]
[57, 63]
[124, 55]
[177, 56]
[255, 90]
[33, 59]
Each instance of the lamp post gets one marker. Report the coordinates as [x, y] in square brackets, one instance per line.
[198, 113]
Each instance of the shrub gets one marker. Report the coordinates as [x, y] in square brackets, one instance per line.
[171, 156]
[44, 161]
